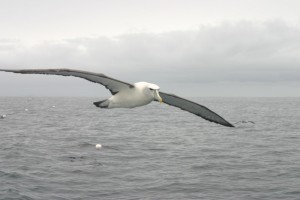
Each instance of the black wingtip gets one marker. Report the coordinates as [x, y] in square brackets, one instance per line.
[5, 70]
[230, 125]
[226, 123]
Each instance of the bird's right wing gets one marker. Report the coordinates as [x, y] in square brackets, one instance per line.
[112, 84]
[194, 108]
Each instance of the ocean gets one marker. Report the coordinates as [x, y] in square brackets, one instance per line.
[47, 150]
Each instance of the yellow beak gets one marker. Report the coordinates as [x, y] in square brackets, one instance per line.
[158, 97]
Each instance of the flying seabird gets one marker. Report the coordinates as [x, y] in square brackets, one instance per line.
[126, 95]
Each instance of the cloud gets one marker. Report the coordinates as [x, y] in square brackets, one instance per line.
[244, 52]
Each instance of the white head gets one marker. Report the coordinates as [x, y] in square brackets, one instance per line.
[151, 89]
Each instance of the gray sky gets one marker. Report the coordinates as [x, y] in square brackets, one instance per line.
[187, 47]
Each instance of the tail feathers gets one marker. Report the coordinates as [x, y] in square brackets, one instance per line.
[102, 104]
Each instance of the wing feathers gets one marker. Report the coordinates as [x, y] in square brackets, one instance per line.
[113, 85]
[194, 108]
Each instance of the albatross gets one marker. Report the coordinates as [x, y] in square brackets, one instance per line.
[126, 95]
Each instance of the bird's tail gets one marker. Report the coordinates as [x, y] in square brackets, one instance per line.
[102, 104]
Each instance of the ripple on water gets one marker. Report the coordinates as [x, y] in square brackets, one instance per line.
[153, 152]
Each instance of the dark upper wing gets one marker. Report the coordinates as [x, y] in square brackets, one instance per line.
[113, 85]
[194, 108]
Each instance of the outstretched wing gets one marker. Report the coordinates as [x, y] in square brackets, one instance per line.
[112, 84]
[194, 108]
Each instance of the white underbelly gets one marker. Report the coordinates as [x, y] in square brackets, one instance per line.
[129, 99]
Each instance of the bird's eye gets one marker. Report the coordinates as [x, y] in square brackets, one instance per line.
[151, 89]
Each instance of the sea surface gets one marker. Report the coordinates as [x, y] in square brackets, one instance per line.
[47, 150]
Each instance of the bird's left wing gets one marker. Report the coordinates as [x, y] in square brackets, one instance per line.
[112, 84]
[194, 108]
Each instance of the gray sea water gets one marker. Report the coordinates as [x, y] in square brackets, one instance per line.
[151, 152]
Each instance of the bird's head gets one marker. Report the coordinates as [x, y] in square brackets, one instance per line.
[155, 91]
[151, 89]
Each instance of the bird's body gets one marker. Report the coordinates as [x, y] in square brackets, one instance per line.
[143, 93]
[126, 95]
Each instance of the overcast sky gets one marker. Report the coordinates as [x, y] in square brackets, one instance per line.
[187, 47]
